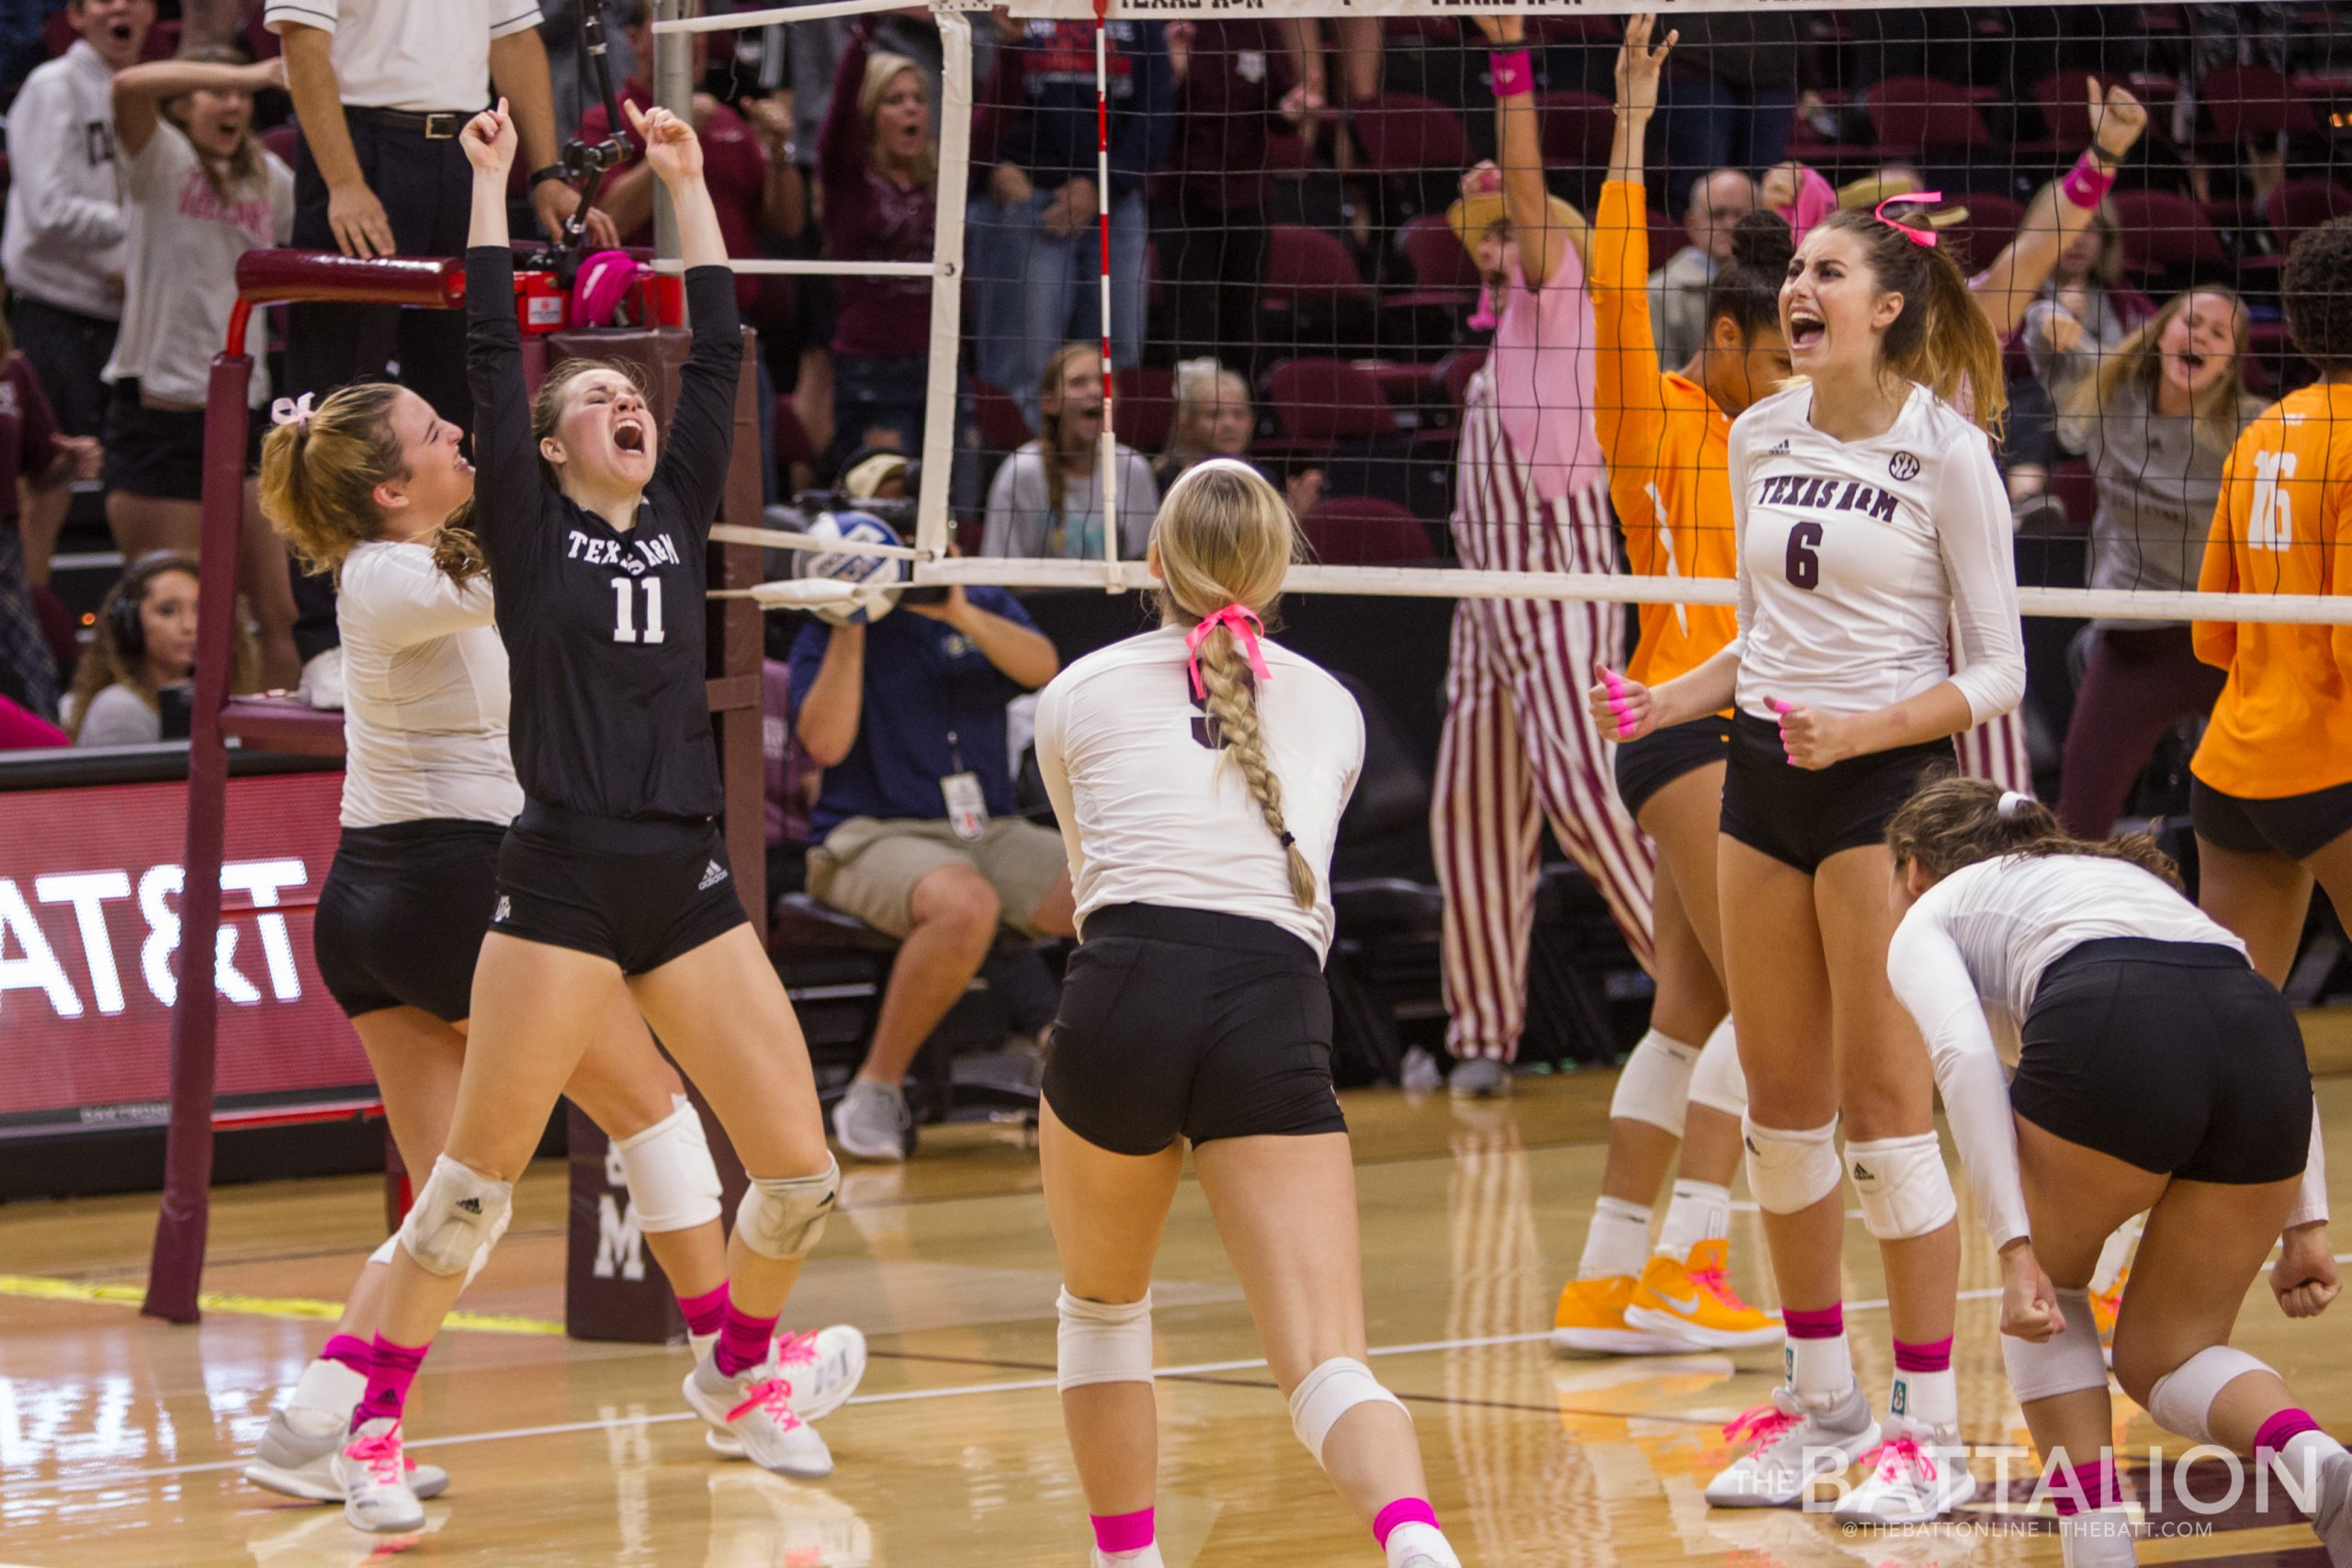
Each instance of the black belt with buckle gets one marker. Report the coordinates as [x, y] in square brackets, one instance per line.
[438, 125]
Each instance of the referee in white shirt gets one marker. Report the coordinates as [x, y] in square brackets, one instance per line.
[381, 88]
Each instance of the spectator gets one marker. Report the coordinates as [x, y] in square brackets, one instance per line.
[878, 160]
[1730, 95]
[1213, 420]
[143, 656]
[35, 463]
[1031, 246]
[1046, 499]
[62, 251]
[2158, 415]
[913, 830]
[1678, 289]
[1240, 89]
[878, 473]
[199, 190]
[2087, 285]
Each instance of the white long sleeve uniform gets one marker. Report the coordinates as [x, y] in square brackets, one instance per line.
[1856, 558]
[63, 240]
[424, 693]
[1978, 942]
[1152, 814]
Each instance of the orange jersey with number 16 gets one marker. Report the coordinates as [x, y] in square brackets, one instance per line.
[2283, 724]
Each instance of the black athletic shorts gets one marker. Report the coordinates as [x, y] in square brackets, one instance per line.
[1190, 1023]
[1802, 816]
[640, 893]
[2174, 1057]
[1657, 759]
[160, 452]
[2295, 826]
[401, 917]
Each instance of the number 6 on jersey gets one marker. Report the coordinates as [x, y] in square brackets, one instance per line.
[624, 619]
[1804, 564]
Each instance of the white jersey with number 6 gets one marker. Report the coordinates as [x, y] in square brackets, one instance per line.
[1857, 557]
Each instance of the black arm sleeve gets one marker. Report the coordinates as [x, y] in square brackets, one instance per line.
[507, 487]
[702, 427]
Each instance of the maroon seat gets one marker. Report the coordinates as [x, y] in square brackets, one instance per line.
[1364, 531]
[1403, 133]
[1145, 406]
[2066, 108]
[2161, 230]
[1328, 400]
[2244, 102]
[2295, 206]
[1667, 236]
[1308, 262]
[1443, 273]
[1993, 221]
[1577, 128]
[1913, 112]
[1455, 371]
[1001, 424]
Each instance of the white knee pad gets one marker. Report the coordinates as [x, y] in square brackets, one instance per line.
[1330, 1391]
[782, 1216]
[1102, 1342]
[2183, 1397]
[461, 1212]
[1654, 1083]
[1789, 1172]
[673, 1184]
[1717, 1082]
[384, 1248]
[482, 1253]
[2067, 1363]
[1904, 1189]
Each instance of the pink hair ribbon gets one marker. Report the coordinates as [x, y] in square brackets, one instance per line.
[1246, 627]
[1921, 236]
[291, 411]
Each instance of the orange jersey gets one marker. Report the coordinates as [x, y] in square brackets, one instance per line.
[2283, 724]
[1665, 440]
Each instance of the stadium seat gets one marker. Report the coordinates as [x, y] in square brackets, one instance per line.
[2246, 102]
[2165, 233]
[1002, 427]
[1455, 371]
[282, 140]
[1362, 531]
[1443, 271]
[1313, 292]
[1328, 400]
[1667, 236]
[2064, 105]
[1910, 114]
[1404, 133]
[1577, 128]
[1993, 221]
[2295, 206]
[1145, 406]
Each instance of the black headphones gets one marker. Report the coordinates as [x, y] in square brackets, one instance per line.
[123, 615]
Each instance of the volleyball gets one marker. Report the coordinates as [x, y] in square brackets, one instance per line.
[873, 577]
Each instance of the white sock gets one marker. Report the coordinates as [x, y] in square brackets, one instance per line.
[1618, 1240]
[1427, 1539]
[700, 1344]
[329, 1388]
[2097, 1538]
[1927, 1399]
[1820, 1371]
[2116, 1255]
[1144, 1556]
[2302, 1456]
[1700, 1210]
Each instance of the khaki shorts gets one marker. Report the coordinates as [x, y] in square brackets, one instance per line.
[868, 868]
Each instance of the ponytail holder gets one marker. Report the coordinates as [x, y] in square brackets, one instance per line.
[295, 412]
[2013, 804]
[1288, 840]
[1246, 627]
[1920, 236]
[2086, 183]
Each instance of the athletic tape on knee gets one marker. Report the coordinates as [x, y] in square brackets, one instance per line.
[782, 1216]
[1904, 1189]
[1717, 1082]
[1330, 1391]
[2183, 1398]
[1102, 1342]
[2067, 1363]
[384, 1248]
[1654, 1083]
[455, 1217]
[1790, 1170]
[673, 1184]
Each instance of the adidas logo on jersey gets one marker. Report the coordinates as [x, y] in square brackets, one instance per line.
[713, 874]
[506, 909]
[1780, 448]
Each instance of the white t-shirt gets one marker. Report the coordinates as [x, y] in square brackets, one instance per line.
[424, 697]
[62, 241]
[412, 55]
[1857, 558]
[1977, 944]
[182, 246]
[1151, 814]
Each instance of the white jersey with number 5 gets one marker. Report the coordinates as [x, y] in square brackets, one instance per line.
[1857, 557]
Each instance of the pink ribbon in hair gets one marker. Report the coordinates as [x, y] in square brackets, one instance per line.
[1922, 236]
[1246, 627]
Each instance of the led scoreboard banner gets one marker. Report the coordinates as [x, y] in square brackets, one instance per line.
[90, 887]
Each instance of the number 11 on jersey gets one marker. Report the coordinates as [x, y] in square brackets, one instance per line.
[624, 607]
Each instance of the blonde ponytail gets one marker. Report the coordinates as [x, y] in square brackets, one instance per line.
[1233, 704]
[318, 476]
[1942, 339]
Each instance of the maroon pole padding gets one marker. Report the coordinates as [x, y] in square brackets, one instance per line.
[295, 277]
[177, 1266]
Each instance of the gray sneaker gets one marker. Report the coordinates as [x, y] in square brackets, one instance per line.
[296, 1458]
[1478, 1078]
[872, 1121]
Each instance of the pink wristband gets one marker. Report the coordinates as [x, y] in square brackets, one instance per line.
[2086, 185]
[1511, 73]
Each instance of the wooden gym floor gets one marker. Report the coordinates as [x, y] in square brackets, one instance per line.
[120, 1438]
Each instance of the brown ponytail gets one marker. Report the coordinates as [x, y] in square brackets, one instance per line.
[319, 477]
[1951, 823]
[1942, 339]
[1225, 536]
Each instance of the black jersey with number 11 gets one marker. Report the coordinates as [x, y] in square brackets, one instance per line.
[604, 626]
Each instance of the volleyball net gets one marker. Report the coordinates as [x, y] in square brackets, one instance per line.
[1168, 228]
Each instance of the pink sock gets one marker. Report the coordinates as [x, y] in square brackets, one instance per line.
[1935, 1356]
[350, 1351]
[2093, 1488]
[392, 1368]
[1820, 1323]
[2273, 1434]
[742, 1341]
[1404, 1511]
[1122, 1532]
[705, 1314]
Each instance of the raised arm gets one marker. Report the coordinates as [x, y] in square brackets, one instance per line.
[139, 88]
[1629, 413]
[1519, 147]
[701, 441]
[507, 484]
[2061, 211]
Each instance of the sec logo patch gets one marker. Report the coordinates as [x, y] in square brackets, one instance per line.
[1903, 466]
